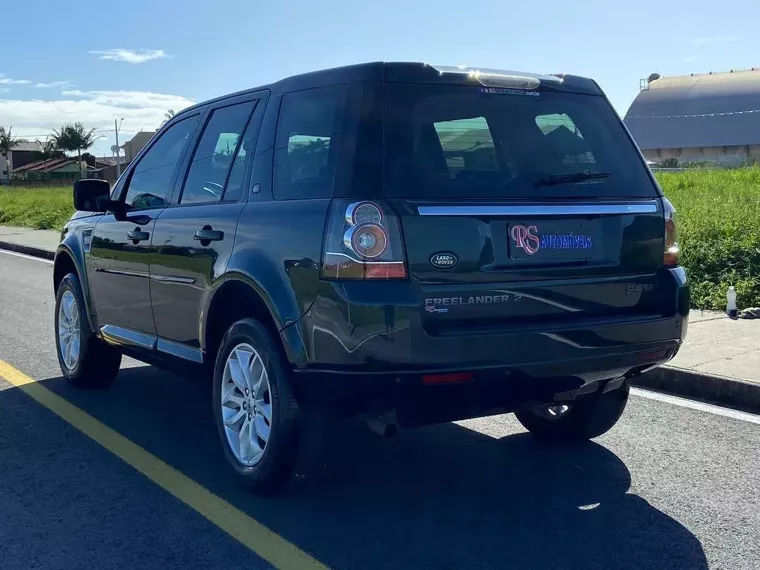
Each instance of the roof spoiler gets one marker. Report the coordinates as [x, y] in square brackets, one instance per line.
[487, 77]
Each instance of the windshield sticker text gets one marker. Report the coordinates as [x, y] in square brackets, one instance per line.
[504, 91]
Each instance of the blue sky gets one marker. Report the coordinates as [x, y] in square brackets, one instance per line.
[93, 62]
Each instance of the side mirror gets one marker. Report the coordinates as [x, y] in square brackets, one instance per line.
[92, 195]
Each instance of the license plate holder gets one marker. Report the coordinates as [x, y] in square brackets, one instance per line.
[560, 241]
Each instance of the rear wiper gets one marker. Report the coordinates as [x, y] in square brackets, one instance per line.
[570, 177]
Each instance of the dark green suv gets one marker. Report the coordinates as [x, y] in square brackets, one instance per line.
[418, 244]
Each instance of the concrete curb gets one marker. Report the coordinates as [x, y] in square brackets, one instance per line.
[28, 250]
[720, 390]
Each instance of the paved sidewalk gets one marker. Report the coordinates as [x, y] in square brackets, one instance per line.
[40, 243]
[719, 362]
[718, 345]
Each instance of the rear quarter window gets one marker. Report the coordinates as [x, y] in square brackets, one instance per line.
[307, 143]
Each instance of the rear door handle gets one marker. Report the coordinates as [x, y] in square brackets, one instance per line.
[207, 234]
[138, 235]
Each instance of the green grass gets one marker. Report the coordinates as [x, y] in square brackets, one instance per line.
[39, 208]
[719, 232]
[718, 215]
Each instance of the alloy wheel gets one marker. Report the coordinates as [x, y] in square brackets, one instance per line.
[69, 333]
[246, 404]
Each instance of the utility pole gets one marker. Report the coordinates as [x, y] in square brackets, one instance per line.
[118, 150]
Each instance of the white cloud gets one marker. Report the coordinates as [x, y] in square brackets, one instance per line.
[53, 84]
[129, 55]
[141, 110]
[717, 39]
[8, 81]
[135, 100]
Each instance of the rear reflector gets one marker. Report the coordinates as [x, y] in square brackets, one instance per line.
[388, 270]
[447, 378]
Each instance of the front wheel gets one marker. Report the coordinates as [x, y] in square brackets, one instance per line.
[256, 413]
[584, 419]
[86, 361]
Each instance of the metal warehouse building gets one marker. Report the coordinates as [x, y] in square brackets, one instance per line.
[711, 117]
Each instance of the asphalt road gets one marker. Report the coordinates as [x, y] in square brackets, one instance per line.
[669, 487]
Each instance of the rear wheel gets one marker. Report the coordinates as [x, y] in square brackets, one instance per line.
[256, 413]
[86, 361]
[576, 421]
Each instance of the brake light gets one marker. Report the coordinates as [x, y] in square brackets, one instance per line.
[672, 253]
[363, 241]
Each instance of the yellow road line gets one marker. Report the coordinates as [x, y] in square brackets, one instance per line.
[265, 543]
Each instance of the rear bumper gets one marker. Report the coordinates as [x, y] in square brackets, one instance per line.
[416, 401]
[358, 346]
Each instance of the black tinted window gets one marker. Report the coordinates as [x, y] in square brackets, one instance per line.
[468, 142]
[151, 183]
[216, 153]
[466, 145]
[234, 189]
[308, 130]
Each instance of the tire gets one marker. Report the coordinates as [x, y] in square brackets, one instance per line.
[585, 419]
[95, 364]
[261, 465]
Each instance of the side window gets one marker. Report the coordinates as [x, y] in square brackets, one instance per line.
[306, 144]
[234, 189]
[151, 183]
[216, 154]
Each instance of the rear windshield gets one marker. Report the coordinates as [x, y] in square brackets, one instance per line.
[471, 142]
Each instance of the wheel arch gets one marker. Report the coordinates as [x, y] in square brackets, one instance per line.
[237, 299]
[67, 261]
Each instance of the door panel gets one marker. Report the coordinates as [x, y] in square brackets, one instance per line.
[120, 252]
[185, 269]
[193, 240]
[119, 279]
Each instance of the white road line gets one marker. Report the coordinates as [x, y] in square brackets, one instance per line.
[16, 254]
[699, 406]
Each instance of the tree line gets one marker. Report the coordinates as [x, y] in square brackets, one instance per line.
[72, 137]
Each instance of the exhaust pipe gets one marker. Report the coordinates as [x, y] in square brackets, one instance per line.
[382, 427]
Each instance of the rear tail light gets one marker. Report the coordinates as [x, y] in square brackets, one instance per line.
[363, 241]
[672, 253]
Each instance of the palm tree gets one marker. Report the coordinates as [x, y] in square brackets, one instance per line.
[7, 144]
[73, 137]
[49, 150]
[168, 116]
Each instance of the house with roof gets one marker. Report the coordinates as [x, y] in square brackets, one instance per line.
[65, 169]
[52, 169]
[711, 117]
[20, 155]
